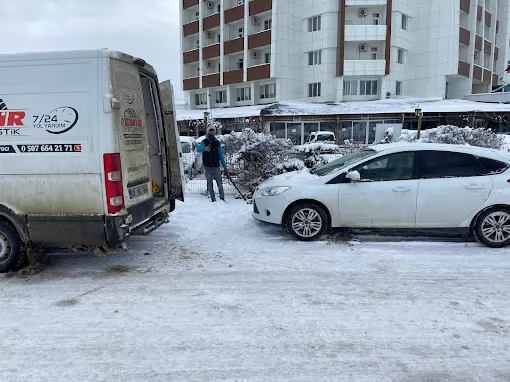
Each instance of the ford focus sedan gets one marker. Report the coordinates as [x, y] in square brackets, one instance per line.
[429, 187]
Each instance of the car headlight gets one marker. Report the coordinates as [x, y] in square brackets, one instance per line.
[273, 191]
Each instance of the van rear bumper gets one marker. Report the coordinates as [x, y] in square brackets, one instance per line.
[90, 230]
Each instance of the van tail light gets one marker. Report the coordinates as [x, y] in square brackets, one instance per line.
[113, 183]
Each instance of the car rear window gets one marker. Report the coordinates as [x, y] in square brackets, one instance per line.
[493, 166]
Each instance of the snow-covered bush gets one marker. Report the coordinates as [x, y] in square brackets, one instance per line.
[388, 135]
[290, 165]
[258, 157]
[312, 154]
[455, 135]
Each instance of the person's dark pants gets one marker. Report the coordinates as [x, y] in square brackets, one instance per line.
[210, 174]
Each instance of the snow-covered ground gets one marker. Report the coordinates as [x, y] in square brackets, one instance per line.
[214, 295]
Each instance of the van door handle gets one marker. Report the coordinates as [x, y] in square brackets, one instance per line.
[401, 189]
[474, 187]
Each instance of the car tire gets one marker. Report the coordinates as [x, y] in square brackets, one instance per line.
[492, 228]
[307, 221]
[11, 251]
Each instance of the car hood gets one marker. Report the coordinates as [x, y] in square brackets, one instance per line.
[291, 178]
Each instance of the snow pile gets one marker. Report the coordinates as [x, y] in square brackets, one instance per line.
[291, 165]
[455, 135]
[318, 147]
[257, 157]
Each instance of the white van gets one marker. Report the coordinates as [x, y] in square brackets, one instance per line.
[89, 151]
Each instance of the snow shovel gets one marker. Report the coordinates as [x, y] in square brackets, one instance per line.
[235, 186]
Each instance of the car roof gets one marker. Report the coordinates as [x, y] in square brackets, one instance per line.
[466, 149]
[187, 139]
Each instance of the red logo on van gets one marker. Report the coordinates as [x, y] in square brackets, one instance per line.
[131, 122]
[12, 118]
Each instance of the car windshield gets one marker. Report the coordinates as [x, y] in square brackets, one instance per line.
[343, 162]
[326, 137]
[185, 147]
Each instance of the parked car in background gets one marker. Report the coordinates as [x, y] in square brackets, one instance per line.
[321, 137]
[191, 159]
[415, 187]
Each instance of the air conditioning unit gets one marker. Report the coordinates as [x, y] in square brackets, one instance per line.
[210, 5]
[255, 20]
[362, 48]
[255, 54]
[209, 34]
[362, 12]
[209, 64]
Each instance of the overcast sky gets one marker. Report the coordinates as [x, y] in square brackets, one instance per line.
[144, 28]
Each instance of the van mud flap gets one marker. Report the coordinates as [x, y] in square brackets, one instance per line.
[150, 225]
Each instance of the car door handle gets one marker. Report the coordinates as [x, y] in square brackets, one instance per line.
[401, 189]
[474, 187]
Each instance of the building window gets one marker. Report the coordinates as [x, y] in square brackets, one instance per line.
[400, 56]
[267, 58]
[219, 37]
[369, 88]
[197, 15]
[243, 94]
[240, 32]
[373, 53]
[350, 88]
[375, 18]
[268, 24]
[314, 90]
[315, 58]
[219, 8]
[398, 89]
[221, 96]
[267, 91]
[240, 64]
[405, 22]
[314, 24]
[201, 99]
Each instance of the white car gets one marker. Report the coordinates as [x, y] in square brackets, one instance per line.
[321, 137]
[191, 159]
[429, 187]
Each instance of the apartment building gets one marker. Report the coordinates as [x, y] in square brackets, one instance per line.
[250, 52]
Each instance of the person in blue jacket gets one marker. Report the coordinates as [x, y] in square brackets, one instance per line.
[212, 157]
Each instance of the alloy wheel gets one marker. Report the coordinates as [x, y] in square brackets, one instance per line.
[496, 227]
[5, 247]
[307, 222]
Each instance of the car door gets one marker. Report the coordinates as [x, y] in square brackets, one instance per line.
[451, 187]
[386, 195]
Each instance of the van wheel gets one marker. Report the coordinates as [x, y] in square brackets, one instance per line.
[306, 222]
[11, 253]
[492, 228]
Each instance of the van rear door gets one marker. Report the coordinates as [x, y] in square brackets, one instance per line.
[133, 138]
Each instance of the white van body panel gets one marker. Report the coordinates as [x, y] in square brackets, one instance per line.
[60, 112]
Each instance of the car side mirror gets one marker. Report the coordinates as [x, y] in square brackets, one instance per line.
[354, 176]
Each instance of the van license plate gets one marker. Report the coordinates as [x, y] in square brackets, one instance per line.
[138, 191]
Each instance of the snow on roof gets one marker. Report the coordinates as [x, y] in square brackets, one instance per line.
[389, 106]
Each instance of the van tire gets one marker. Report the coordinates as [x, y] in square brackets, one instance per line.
[11, 249]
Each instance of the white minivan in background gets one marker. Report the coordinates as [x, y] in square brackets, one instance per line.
[89, 151]
[321, 137]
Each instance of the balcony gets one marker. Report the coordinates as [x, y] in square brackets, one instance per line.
[233, 77]
[192, 83]
[259, 6]
[465, 5]
[365, 32]
[211, 22]
[259, 72]
[190, 28]
[189, 3]
[211, 51]
[364, 67]
[211, 80]
[477, 72]
[233, 46]
[260, 39]
[234, 14]
[191, 56]
[464, 36]
[487, 76]
[464, 69]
